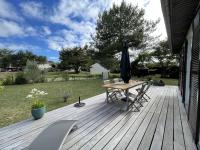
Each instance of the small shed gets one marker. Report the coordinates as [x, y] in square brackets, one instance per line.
[98, 69]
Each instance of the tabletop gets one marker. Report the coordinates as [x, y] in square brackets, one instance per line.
[122, 85]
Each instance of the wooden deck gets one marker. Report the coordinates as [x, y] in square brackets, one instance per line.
[160, 124]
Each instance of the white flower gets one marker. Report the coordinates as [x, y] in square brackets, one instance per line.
[29, 96]
[35, 93]
[42, 92]
[34, 90]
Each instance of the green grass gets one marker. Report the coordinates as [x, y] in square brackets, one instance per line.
[3, 75]
[15, 107]
[167, 81]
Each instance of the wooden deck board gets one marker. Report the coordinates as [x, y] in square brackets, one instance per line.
[160, 124]
[168, 134]
[147, 139]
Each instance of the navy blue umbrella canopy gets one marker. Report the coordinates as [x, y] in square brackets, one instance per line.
[125, 66]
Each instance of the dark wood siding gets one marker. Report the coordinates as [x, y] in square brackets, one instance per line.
[194, 100]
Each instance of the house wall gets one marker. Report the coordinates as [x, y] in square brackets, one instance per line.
[188, 64]
[190, 59]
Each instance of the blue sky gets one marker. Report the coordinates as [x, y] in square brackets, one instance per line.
[45, 26]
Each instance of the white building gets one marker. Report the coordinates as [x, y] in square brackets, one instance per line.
[46, 66]
[98, 69]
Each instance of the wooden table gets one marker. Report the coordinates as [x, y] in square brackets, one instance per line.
[122, 86]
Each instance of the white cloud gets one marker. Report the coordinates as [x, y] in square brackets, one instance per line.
[69, 39]
[34, 9]
[10, 28]
[7, 11]
[46, 30]
[17, 46]
[80, 18]
[87, 13]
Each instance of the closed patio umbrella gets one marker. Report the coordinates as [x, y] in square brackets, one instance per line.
[125, 66]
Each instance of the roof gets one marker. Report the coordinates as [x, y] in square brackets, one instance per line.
[99, 65]
[178, 15]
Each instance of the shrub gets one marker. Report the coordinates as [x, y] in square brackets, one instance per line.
[9, 80]
[32, 73]
[20, 78]
[158, 83]
[114, 76]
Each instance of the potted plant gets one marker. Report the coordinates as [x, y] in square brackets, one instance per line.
[38, 107]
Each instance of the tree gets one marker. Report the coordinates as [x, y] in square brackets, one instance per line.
[164, 56]
[73, 58]
[124, 22]
[138, 66]
[41, 59]
[5, 57]
[18, 59]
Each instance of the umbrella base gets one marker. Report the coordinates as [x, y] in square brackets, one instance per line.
[79, 104]
[124, 99]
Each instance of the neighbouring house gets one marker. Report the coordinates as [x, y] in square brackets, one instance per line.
[98, 69]
[182, 20]
[46, 66]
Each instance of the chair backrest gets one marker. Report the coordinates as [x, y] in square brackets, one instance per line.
[142, 88]
[147, 86]
[140, 93]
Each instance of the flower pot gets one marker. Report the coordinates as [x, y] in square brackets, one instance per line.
[38, 113]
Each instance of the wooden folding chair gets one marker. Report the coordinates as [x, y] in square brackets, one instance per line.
[112, 93]
[147, 86]
[136, 98]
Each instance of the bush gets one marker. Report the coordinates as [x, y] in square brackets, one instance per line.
[158, 83]
[32, 73]
[20, 78]
[114, 76]
[9, 80]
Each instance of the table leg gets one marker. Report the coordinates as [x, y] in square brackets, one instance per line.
[127, 99]
[107, 95]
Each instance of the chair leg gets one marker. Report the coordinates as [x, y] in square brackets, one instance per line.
[145, 99]
[133, 104]
[147, 96]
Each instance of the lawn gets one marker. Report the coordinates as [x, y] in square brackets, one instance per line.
[15, 107]
[167, 81]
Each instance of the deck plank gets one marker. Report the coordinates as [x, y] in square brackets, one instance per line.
[189, 142]
[178, 130]
[160, 124]
[114, 131]
[102, 133]
[159, 133]
[135, 141]
[169, 126]
[148, 136]
[33, 133]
